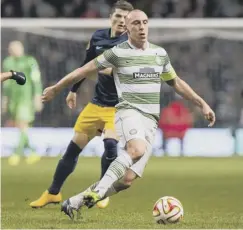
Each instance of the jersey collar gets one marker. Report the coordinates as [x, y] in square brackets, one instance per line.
[135, 48]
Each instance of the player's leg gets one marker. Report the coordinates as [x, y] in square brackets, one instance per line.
[64, 168]
[77, 201]
[131, 174]
[107, 115]
[137, 169]
[122, 184]
[110, 153]
[68, 162]
[85, 128]
[22, 116]
[131, 130]
[110, 144]
[110, 139]
[14, 159]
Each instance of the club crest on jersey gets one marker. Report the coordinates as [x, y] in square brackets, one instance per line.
[158, 60]
[146, 73]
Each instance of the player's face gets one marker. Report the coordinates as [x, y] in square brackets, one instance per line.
[137, 26]
[16, 49]
[118, 21]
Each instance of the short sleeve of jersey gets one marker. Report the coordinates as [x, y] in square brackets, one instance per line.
[106, 60]
[168, 70]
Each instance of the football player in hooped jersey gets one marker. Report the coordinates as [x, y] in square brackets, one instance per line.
[138, 67]
[98, 114]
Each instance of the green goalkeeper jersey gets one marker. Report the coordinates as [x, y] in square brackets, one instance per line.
[26, 93]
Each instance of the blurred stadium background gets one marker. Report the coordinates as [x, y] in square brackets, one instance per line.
[207, 53]
[204, 39]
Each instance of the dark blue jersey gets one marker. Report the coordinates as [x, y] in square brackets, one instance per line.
[105, 89]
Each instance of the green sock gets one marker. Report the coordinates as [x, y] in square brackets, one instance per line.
[23, 141]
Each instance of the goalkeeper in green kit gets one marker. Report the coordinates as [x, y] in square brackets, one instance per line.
[21, 103]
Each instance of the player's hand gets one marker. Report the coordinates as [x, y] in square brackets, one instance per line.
[209, 115]
[71, 100]
[48, 94]
[38, 103]
[19, 77]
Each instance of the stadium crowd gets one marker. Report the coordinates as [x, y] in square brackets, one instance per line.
[101, 8]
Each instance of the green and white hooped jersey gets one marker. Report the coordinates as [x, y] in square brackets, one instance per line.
[138, 74]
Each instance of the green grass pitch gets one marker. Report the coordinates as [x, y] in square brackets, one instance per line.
[211, 191]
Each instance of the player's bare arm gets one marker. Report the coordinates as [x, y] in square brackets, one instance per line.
[73, 77]
[19, 77]
[107, 71]
[182, 88]
[5, 76]
[71, 99]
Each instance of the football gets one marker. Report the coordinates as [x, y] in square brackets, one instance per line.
[168, 210]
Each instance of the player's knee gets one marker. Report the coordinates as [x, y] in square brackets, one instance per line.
[109, 133]
[80, 139]
[129, 177]
[136, 148]
[110, 145]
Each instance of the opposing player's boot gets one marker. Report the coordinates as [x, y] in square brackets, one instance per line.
[33, 158]
[14, 160]
[68, 209]
[91, 198]
[103, 203]
[45, 199]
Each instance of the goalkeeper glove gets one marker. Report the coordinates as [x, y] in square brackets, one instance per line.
[19, 77]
